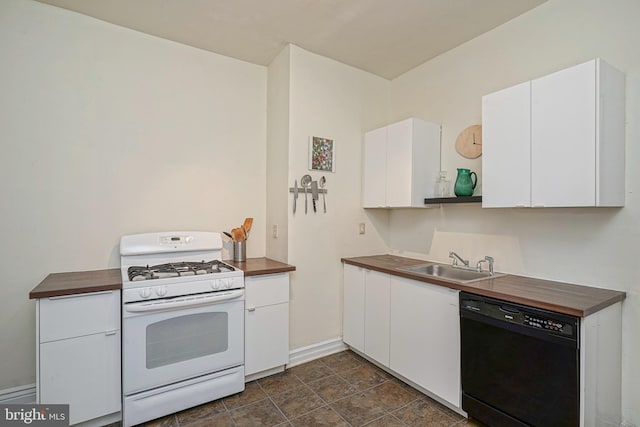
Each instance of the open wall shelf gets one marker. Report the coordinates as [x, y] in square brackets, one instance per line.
[450, 200]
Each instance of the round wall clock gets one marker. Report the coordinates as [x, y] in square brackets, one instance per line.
[469, 142]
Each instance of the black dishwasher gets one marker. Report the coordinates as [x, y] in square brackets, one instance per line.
[520, 365]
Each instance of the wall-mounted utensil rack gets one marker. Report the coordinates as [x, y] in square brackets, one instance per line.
[310, 188]
[301, 190]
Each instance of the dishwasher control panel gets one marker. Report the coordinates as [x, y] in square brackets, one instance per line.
[544, 323]
[517, 314]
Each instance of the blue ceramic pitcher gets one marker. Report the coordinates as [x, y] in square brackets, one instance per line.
[464, 183]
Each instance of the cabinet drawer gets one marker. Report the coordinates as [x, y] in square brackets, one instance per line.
[266, 290]
[83, 373]
[77, 315]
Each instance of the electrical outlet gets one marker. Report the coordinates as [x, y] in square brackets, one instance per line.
[274, 231]
[361, 228]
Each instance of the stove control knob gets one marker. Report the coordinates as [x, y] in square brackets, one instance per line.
[145, 292]
[161, 291]
[215, 285]
[227, 283]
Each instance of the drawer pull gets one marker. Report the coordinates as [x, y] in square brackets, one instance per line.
[251, 309]
[108, 333]
[86, 294]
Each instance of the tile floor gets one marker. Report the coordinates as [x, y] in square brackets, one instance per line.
[338, 390]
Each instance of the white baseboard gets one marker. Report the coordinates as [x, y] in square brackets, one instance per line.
[315, 351]
[298, 356]
[20, 394]
[262, 374]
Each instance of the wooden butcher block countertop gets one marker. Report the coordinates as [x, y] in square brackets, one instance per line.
[260, 266]
[77, 282]
[80, 282]
[576, 300]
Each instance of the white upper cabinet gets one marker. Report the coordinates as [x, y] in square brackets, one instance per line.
[506, 160]
[375, 168]
[401, 164]
[557, 141]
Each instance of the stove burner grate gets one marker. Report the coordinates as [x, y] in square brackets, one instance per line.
[176, 269]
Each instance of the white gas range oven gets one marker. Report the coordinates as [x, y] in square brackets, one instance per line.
[182, 323]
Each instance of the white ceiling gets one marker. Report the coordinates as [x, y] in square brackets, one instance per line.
[384, 37]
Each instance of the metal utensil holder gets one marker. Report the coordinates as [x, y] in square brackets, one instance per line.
[240, 250]
[302, 190]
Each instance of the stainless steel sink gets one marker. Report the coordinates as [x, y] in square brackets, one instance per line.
[447, 272]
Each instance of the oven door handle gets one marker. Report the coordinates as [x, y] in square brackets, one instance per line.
[188, 301]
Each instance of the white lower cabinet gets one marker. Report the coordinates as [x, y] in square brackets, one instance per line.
[78, 360]
[425, 336]
[353, 318]
[376, 316]
[266, 323]
[83, 372]
[411, 327]
[366, 313]
[601, 367]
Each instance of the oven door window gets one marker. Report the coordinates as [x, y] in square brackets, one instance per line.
[169, 346]
[179, 339]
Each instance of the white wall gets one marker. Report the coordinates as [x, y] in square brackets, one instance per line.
[595, 247]
[278, 155]
[331, 100]
[92, 115]
[105, 131]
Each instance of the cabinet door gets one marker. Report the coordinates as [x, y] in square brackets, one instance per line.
[353, 317]
[374, 193]
[376, 323]
[266, 322]
[399, 171]
[610, 137]
[563, 132]
[425, 161]
[506, 145]
[83, 372]
[266, 338]
[425, 336]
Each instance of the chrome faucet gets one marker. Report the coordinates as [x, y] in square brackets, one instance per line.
[488, 260]
[457, 258]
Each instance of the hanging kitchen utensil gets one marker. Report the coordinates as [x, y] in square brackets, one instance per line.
[295, 194]
[305, 181]
[314, 194]
[323, 182]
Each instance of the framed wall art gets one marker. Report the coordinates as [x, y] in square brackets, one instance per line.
[322, 154]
